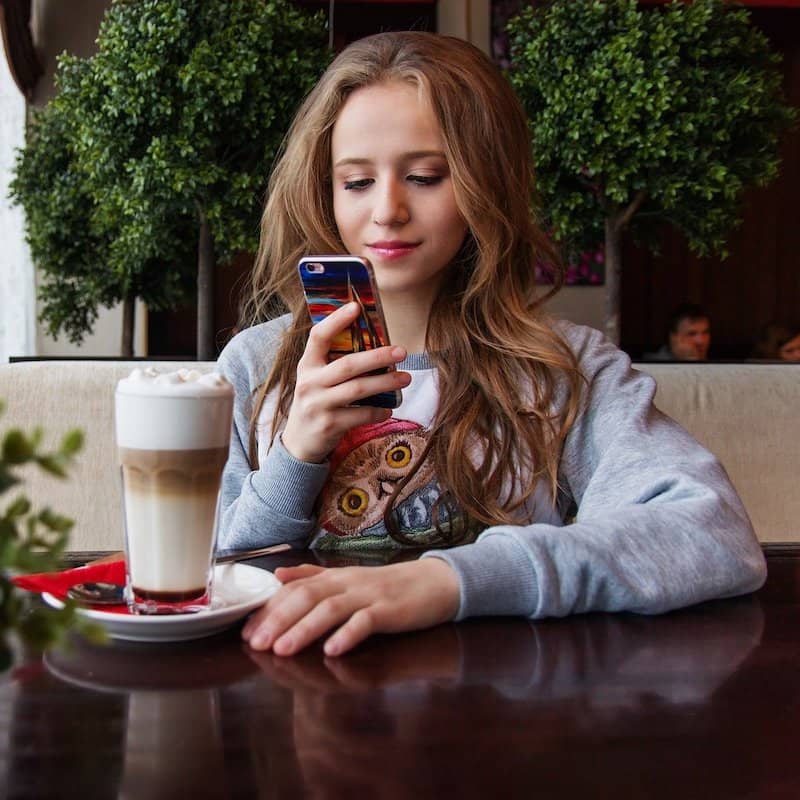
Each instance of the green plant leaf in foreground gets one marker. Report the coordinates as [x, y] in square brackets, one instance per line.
[33, 541]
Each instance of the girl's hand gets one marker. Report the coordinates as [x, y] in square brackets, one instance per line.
[322, 410]
[357, 601]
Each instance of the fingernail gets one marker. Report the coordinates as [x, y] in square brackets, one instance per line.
[332, 647]
[259, 640]
[398, 353]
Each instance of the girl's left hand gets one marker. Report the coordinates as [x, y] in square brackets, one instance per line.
[358, 601]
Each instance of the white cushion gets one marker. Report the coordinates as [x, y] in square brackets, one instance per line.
[748, 415]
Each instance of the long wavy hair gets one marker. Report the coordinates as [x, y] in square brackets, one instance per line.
[509, 386]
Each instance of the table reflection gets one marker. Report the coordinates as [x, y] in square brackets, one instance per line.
[398, 705]
[457, 710]
[149, 716]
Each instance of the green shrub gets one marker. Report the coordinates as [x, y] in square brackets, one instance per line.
[640, 116]
[153, 158]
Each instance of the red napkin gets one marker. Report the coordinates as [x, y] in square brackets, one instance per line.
[57, 583]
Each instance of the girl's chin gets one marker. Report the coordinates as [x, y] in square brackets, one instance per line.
[396, 285]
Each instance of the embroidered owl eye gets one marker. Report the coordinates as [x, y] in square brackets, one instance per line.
[353, 502]
[399, 455]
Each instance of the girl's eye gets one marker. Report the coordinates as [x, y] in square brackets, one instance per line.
[425, 180]
[361, 183]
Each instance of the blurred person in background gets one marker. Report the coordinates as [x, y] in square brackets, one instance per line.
[778, 343]
[688, 335]
[790, 351]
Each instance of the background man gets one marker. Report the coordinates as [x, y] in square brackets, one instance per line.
[689, 335]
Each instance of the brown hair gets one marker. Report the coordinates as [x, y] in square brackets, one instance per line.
[508, 383]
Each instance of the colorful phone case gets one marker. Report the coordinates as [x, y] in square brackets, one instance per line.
[329, 282]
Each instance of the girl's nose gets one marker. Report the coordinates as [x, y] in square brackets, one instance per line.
[391, 207]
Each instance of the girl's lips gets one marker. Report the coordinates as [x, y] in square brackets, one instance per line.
[392, 249]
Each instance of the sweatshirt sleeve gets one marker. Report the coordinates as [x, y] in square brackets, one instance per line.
[658, 526]
[274, 503]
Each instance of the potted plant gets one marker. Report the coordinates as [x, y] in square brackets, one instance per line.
[643, 116]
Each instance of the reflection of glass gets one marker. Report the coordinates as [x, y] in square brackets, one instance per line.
[129, 666]
[169, 740]
[173, 746]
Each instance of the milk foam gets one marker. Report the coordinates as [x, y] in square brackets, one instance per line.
[181, 410]
[181, 383]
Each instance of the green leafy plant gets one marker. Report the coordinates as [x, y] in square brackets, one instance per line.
[151, 163]
[643, 116]
[32, 541]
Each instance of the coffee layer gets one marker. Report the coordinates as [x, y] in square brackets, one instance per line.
[170, 540]
[172, 471]
[170, 516]
[169, 597]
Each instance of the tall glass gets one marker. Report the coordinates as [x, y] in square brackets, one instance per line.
[173, 431]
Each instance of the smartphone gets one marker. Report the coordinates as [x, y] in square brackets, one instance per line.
[330, 282]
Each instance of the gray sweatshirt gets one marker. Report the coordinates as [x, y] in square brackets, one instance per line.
[658, 524]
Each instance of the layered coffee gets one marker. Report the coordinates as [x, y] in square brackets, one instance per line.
[173, 431]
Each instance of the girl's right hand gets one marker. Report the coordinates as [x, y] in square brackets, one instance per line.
[322, 410]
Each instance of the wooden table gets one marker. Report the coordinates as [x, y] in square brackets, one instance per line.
[699, 703]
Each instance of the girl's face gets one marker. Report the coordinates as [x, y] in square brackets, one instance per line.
[392, 191]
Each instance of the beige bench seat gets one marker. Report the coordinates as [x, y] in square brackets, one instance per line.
[747, 414]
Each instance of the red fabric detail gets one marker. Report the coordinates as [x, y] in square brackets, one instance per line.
[57, 583]
[355, 437]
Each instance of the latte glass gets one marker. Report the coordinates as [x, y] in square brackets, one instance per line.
[173, 431]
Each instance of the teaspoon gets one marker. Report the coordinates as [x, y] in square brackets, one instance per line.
[98, 593]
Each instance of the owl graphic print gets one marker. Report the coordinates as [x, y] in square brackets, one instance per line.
[373, 463]
[368, 467]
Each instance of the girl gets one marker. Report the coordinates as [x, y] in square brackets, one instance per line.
[528, 446]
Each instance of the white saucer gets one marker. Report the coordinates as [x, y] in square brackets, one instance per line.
[238, 589]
